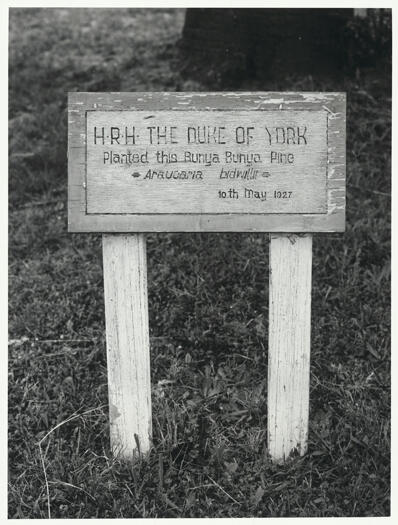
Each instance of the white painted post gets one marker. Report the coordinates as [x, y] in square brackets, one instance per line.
[289, 344]
[127, 338]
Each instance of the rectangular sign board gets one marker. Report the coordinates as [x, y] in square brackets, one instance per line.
[270, 162]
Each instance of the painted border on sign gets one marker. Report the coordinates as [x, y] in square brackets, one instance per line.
[334, 105]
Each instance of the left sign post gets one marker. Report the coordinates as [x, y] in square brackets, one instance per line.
[127, 341]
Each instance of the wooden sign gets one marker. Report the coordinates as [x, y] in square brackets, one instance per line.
[254, 162]
[141, 162]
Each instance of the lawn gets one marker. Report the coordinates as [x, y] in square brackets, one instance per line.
[208, 306]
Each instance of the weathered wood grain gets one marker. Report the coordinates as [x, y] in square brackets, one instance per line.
[127, 337]
[100, 200]
[289, 344]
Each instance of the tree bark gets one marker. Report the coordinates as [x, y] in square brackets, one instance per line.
[264, 43]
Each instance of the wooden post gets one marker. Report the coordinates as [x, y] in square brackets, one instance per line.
[127, 337]
[289, 344]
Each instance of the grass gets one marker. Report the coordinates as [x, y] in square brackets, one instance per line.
[208, 311]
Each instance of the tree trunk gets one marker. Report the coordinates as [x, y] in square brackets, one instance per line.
[264, 43]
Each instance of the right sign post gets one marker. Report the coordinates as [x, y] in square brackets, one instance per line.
[289, 343]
